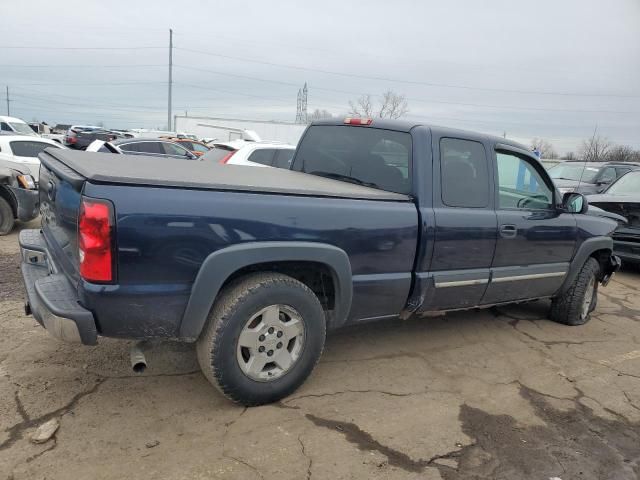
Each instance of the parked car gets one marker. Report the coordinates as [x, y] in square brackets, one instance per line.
[623, 198]
[588, 177]
[24, 150]
[256, 154]
[377, 219]
[19, 198]
[43, 130]
[194, 146]
[79, 137]
[143, 146]
[15, 126]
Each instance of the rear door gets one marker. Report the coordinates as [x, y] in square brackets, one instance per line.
[535, 239]
[464, 235]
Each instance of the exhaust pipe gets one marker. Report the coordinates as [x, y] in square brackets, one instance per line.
[138, 360]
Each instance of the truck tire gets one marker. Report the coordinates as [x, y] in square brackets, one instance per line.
[263, 338]
[575, 305]
[6, 217]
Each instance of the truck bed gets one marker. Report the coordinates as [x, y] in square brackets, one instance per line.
[167, 172]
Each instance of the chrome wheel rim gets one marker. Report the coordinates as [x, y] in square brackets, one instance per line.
[588, 297]
[270, 343]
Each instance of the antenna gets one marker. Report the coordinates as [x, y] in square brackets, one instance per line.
[584, 161]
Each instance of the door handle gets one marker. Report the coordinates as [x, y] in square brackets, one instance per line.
[508, 231]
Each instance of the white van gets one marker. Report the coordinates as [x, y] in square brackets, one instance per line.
[15, 126]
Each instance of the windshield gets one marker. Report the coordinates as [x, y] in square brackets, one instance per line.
[627, 185]
[365, 155]
[577, 172]
[22, 128]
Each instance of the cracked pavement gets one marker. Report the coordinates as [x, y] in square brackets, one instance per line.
[500, 393]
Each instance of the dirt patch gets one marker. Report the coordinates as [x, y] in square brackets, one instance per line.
[10, 277]
[573, 444]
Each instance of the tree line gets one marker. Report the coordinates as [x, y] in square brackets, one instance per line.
[596, 148]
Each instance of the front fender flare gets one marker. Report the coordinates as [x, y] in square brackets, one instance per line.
[585, 250]
[221, 264]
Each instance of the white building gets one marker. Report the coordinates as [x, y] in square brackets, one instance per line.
[226, 129]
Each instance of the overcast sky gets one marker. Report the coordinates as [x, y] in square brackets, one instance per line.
[550, 68]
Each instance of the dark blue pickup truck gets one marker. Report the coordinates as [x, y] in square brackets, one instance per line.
[377, 219]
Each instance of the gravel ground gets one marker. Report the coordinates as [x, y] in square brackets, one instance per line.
[494, 394]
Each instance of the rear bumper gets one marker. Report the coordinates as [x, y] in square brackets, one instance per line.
[51, 298]
[28, 202]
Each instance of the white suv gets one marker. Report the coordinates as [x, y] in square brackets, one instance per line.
[256, 154]
[25, 150]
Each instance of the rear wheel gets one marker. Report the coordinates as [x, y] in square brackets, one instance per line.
[574, 306]
[263, 338]
[6, 217]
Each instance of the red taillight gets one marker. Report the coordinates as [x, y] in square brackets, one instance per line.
[226, 158]
[358, 121]
[71, 139]
[95, 228]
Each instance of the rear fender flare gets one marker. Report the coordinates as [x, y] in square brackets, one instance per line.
[220, 265]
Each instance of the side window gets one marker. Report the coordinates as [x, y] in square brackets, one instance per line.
[199, 148]
[4, 126]
[172, 149]
[608, 175]
[28, 149]
[186, 144]
[621, 171]
[262, 155]
[283, 158]
[130, 147]
[464, 173]
[520, 185]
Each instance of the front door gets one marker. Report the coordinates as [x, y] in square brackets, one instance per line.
[535, 239]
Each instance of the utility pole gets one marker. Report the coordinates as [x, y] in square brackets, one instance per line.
[170, 78]
[8, 111]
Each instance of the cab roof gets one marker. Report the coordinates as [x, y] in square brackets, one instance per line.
[408, 125]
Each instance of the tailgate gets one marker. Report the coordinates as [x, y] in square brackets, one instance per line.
[60, 191]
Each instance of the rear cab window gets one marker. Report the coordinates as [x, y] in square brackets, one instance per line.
[365, 155]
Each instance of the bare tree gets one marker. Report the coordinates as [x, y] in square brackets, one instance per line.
[569, 156]
[393, 105]
[318, 114]
[621, 153]
[544, 147]
[362, 107]
[595, 148]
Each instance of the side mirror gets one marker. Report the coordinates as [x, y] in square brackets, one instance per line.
[575, 202]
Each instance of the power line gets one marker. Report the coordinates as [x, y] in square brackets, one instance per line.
[279, 99]
[11, 47]
[90, 84]
[234, 75]
[81, 66]
[410, 82]
[508, 107]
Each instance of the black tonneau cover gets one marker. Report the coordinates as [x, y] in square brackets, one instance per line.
[170, 172]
